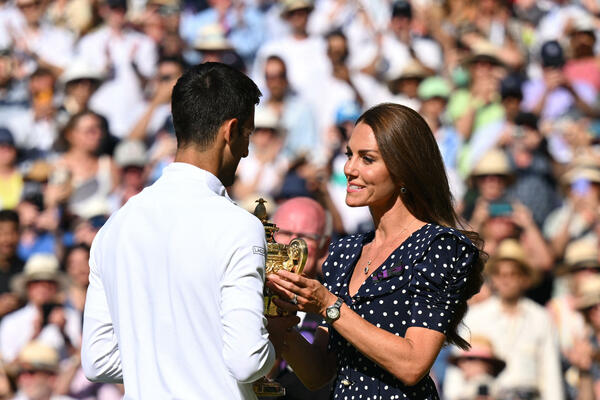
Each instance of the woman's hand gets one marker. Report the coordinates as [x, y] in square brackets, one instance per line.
[309, 294]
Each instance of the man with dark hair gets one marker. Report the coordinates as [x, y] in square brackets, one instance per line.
[174, 308]
[10, 263]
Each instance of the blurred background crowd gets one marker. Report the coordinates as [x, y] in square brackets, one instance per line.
[510, 89]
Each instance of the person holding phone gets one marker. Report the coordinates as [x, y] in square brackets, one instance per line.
[393, 296]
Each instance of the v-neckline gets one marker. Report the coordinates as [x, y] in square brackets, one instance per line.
[370, 236]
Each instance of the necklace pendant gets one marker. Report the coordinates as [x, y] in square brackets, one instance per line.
[366, 270]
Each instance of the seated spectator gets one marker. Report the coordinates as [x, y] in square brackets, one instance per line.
[37, 226]
[304, 218]
[13, 88]
[80, 81]
[295, 115]
[42, 318]
[521, 331]
[433, 93]
[132, 160]
[478, 105]
[37, 373]
[472, 374]
[583, 66]
[404, 86]
[535, 185]
[10, 263]
[578, 215]
[263, 170]
[128, 59]
[93, 177]
[553, 95]
[242, 25]
[11, 180]
[35, 128]
[295, 49]
[78, 270]
[489, 181]
[586, 363]
[581, 264]
[157, 110]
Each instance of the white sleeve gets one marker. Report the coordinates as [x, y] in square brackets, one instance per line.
[100, 357]
[247, 352]
[550, 379]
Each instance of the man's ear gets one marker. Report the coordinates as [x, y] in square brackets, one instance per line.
[230, 129]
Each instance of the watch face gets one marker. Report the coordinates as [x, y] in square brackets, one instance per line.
[333, 313]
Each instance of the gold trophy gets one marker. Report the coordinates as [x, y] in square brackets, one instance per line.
[291, 257]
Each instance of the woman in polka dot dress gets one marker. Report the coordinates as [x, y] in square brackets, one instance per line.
[394, 296]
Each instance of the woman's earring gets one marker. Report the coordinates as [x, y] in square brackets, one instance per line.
[402, 189]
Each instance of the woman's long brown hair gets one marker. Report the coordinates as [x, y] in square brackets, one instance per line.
[413, 159]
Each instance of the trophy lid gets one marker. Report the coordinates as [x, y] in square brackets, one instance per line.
[261, 211]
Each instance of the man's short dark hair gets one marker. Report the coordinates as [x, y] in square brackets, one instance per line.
[205, 97]
[9, 216]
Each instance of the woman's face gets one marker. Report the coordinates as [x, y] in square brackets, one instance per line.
[491, 187]
[369, 181]
[86, 134]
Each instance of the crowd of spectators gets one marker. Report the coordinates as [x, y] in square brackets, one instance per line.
[510, 89]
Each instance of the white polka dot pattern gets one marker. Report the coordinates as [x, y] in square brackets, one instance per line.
[418, 285]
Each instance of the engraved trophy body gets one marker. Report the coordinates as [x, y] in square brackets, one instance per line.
[291, 257]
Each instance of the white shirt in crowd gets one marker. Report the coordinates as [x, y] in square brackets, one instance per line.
[18, 329]
[121, 91]
[175, 303]
[525, 340]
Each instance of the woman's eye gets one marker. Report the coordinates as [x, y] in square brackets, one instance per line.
[348, 154]
[368, 160]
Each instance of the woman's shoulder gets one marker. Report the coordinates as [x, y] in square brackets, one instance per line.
[433, 233]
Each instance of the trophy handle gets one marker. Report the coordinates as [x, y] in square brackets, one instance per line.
[298, 253]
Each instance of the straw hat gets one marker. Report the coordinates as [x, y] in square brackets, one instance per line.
[588, 173]
[484, 51]
[510, 249]
[39, 267]
[582, 253]
[494, 162]
[589, 294]
[293, 5]
[38, 356]
[212, 38]
[412, 70]
[481, 349]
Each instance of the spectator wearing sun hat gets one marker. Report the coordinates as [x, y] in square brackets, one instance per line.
[588, 366]
[520, 330]
[132, 161]
[43, 317]
[577, 216]
[37, 369]
[433, 93]
[473, 372]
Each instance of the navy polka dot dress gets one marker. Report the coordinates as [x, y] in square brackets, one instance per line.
[419, 284]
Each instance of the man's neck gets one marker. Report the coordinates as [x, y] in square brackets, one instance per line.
[206, 160]
[510, 305]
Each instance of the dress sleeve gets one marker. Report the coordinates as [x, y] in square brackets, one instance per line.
[438, 282]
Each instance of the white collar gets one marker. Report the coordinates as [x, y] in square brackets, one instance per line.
[186, 170]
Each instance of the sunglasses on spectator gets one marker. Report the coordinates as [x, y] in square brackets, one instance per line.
[272, 77]
[488, 176]
[301, 235]
[166, 78]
